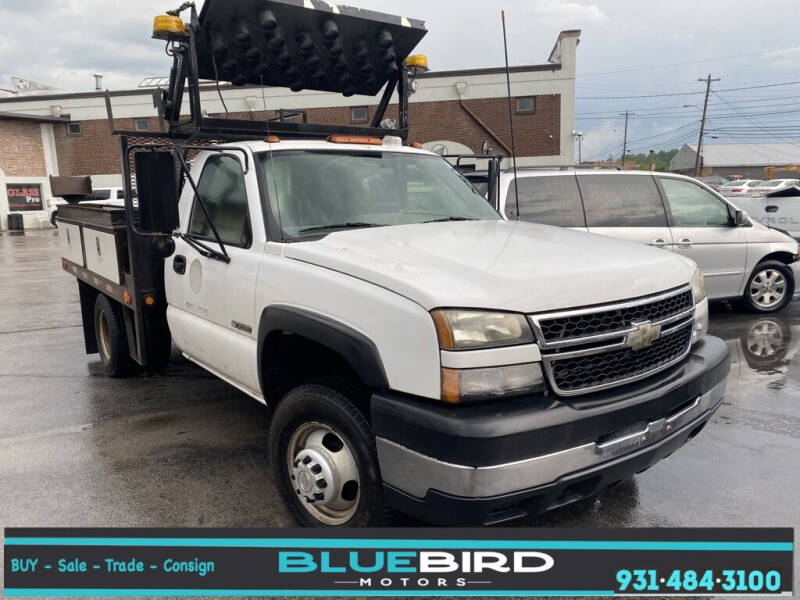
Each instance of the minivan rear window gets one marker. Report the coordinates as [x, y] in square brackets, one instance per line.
[621, 200]
[549, 200]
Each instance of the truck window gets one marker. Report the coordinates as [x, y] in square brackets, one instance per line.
[312, 193]
[221, 186]
[101, 194]
[621, 200]
[692, 206]
[549, 200]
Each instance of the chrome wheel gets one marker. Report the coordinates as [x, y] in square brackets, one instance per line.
[104, 335]
[765, 339]
[323, 473]
[768, 288]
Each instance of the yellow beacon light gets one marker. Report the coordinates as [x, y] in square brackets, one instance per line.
[168, 26]
[417, 62]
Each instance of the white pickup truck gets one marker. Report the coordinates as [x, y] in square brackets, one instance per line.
[414, 349]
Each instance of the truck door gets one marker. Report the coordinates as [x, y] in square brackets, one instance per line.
[627, 206]
[212, 303]
[703, 229]
[781, 212]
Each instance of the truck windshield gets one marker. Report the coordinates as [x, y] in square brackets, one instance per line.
[313, 193]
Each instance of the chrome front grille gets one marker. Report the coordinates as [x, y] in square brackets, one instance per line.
[590, 349]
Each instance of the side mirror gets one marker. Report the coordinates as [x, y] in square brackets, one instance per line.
[157, 187]
[740, 218]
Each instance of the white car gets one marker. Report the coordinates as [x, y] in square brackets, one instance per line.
[740, 187]
[112, 196]
[739, 258]
[773, 185]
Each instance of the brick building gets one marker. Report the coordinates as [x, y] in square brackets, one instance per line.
[451, 111]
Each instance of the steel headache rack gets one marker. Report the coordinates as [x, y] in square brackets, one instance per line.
[295, 44]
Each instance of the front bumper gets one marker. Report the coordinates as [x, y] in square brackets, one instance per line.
[489, 463]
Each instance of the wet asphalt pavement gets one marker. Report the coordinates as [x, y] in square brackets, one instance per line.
[186, 449]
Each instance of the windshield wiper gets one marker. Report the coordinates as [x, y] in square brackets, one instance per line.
[450, 219]
[353, 224]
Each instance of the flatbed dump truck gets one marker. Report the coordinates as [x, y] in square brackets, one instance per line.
[414, 349]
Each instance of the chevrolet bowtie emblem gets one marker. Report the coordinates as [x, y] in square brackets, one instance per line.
[644, 334]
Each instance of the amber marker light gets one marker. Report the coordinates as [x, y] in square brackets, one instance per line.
[355, 139]
[443, 331]
[451, 386]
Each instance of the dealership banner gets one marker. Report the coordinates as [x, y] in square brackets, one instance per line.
[398, 562]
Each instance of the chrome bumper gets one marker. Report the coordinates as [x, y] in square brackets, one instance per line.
[416, 474]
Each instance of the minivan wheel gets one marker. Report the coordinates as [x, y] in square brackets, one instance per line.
[323, 458]
[769, 288]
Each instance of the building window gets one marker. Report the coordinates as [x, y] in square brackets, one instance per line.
[73, 128]
[142, 124]
[526, 104]
[359, 115]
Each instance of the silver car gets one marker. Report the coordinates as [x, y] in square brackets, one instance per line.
[739, 258]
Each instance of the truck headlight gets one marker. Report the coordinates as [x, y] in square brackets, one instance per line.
[461, 329]
[465, 385]
[698, 287]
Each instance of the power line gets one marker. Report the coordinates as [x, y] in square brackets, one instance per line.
[749, 87]
[690, 62]
[745, 117]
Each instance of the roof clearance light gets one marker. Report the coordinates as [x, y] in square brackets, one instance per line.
[353, 139]
[167, 26]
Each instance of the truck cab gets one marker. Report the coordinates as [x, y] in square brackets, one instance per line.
[414, 349]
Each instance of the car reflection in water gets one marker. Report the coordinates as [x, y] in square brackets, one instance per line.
[763, 348]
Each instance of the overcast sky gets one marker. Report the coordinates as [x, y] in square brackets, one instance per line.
[624, 47]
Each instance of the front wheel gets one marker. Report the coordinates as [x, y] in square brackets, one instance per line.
[769, 288]
[323, 459]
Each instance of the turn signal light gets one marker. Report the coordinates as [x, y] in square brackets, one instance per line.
[416, 145]
[355, 139]
[149, 300]
[126, 298]
[273, 139]
[166, 26]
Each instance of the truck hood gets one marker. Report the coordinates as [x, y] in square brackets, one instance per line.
[514, 266]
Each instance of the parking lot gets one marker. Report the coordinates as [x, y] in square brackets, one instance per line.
[186, 449]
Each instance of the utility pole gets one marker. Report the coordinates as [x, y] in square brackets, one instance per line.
[626, 114]
[708, 81]
[578, 135]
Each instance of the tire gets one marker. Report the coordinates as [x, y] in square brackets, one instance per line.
[324, 432]
[769, 288]
[159, 342]
[53, 218]
[112, 343]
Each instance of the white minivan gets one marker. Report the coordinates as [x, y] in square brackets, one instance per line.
[738, 257]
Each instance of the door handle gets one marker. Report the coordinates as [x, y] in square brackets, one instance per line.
[685, 243]
[771, 208]
[179, 264]
[659, 243]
